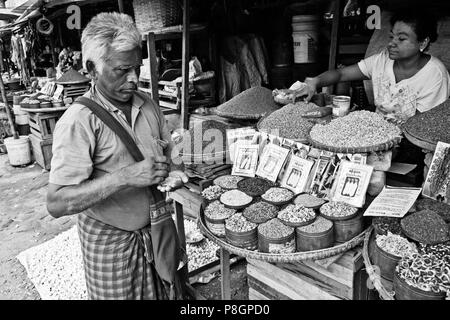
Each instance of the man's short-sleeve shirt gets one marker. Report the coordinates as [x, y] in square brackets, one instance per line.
[85, 148]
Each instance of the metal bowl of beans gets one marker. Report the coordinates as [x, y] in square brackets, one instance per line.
[278, 196]
[338, 211]
[295, 215]
[255, 187]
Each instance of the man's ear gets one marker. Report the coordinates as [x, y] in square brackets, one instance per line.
[90, 66]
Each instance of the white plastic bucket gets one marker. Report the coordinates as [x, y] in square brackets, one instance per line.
[19, 152]
[305, 37]
[21, 119]
[18, 110]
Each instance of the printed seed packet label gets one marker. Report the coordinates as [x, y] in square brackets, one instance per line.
[272, 160]
[393, 202]
[246, 159]
[437, 183]
[295, 177]
[240, 134]
[351, 183]
[358, 158]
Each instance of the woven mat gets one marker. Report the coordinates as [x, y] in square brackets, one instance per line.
[55, 267]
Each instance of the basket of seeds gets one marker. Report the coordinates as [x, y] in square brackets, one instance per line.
[295, 215]
[421, 277]
[227, 182]
[338, 211]
[235, 199]
[260, 212]
[276, 237]
[315, 236]
[358, 132]
[309, 201]
[440, 208]
[278, 196]
[212, 193]
[426, 227]
[240, 232]
[215, 215]
[255, 187]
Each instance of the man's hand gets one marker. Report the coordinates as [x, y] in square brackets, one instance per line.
[150, 171]
[175, 180]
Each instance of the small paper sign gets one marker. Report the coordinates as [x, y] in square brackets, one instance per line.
[59, 90]
[393, 202]
[437, 183]
[246, 160]
[352, 183]
[272, 160]
[296, 175]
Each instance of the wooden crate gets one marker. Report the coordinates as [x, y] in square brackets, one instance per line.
[42, 125]
[42, 151]
[308, 280]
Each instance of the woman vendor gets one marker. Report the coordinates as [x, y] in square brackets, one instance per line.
[406, 80]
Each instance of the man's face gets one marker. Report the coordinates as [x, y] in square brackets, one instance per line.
[120, 75]
[403, 42]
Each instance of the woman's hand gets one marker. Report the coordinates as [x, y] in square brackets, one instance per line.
[311, 88]
[175, 180]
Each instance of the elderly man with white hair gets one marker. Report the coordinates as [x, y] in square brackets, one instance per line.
[128, 238]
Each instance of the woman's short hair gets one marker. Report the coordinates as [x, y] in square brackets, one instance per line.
[105, 31]
[422, 22]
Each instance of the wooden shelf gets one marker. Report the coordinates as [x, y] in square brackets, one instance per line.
[174, 32]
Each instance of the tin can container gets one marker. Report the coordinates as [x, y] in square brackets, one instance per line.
[341, 106]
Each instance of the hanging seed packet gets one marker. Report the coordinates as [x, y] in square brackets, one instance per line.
[437, 183]
[272, 160]
[295, 177]
[351, 183]
[246, 159]
[240, 134]
[320, 172]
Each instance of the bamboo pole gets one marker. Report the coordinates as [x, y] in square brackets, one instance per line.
[5, 100]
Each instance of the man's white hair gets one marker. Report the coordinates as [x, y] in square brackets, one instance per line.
[105, 31]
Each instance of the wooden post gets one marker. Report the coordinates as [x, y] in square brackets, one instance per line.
[334, 45]
[225, 273]
[185, 66]
[5, 100]
[153, 66]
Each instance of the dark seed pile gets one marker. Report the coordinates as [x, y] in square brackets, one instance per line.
[255, 186]
[288, 121]
[432, 125]
[384, 224]
[252, 103]
[440, 208]
[275, 229]
[260, 212]
[426, 227]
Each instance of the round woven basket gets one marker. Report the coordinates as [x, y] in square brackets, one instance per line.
[281, 257]
[379, 147]
[156, 14]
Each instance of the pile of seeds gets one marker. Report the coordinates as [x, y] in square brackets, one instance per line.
[238, 223]
[358, 129]
[288, 121]
[319, 225]
[227, 181]
[441, 251]
[426, 227]
[260, 212]
[255, 186]
[396, 245]
[193, 141]
[432, 125]
[276, 194]
[216, 210]
[440, 208]
[235, 198]
[425, 272]
[337, 209]
[275, 229]
[295, 213]
[212, 193]
[383, 225]
[252, 103]
[308, 200]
